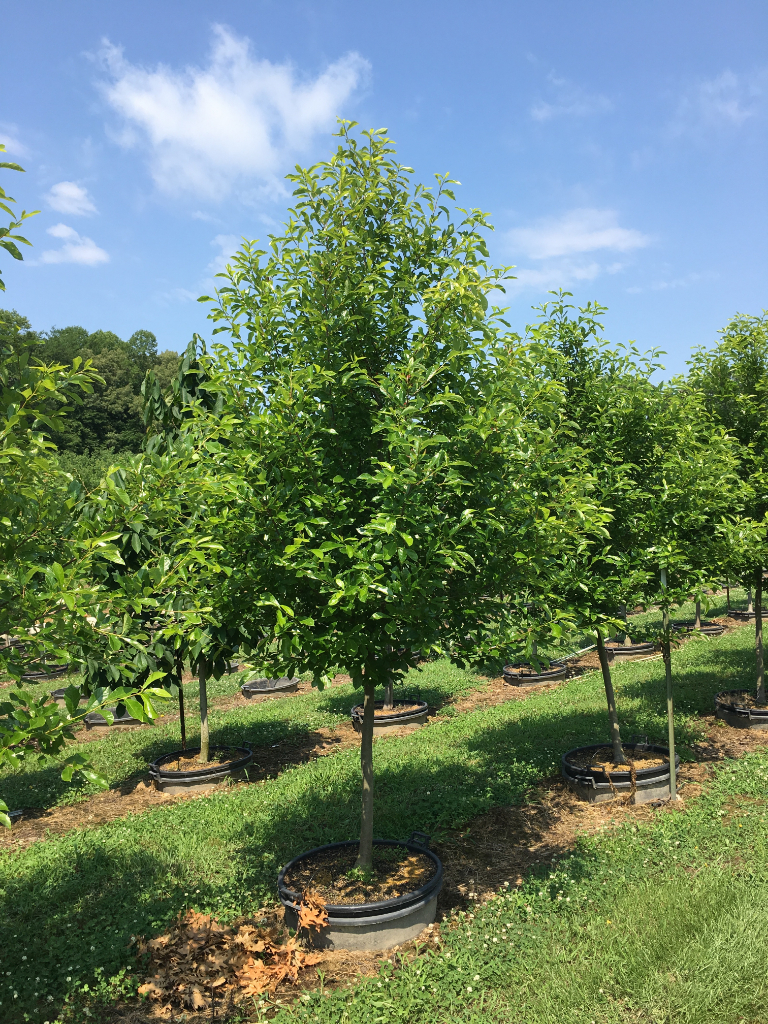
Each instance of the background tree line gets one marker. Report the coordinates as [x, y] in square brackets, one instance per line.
[107, 422]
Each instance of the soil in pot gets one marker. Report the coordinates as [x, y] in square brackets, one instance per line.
[181, 771]
[603, 758]
[404, 716]
[331, 874]
[526, 675]
[741, 710]
[401, 708]
[622, 650]
[190, 762]
[590, 772]
[363, 910]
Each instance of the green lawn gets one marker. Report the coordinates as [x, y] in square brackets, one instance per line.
[124, 756]
[74, 901]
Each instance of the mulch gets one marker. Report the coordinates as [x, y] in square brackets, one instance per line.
[331, 875]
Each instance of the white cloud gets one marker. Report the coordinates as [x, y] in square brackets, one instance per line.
[12, 143]
[569, 100]
[236, 119]
[578, 231]
[559, 274]
[227, 246]
[69, 197]
[726, 101]
[666, 283]
[76, 248]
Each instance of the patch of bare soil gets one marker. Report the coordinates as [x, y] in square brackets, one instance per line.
[722, 741]
[332, 875]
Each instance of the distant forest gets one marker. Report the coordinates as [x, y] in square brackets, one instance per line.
[109, 421]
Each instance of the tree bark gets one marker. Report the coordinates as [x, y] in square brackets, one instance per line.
[750, 607]
[365, 851]
[389, 695]
[627, 637]
[613, 718]
[202, 670]
[698, 615]
[179, 683]
[728, 595]
[759, 634]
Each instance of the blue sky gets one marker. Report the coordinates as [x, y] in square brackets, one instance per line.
[620, 147]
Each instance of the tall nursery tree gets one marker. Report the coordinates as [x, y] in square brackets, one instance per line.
[417, 450]
[658, 463]
[732, 378]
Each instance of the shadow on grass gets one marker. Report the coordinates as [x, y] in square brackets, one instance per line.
[74, 903]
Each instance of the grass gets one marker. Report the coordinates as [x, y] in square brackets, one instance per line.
[664, 923]
[123, 756]
[74, 902]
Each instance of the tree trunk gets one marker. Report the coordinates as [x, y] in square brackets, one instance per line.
[179, 683]
[618, 752]
[202, 669]
[534, 653]
[698, 615]
[759, 634]
[728, 595]
[750, 607]
[389, 695]
[365, 852]
[627, 637]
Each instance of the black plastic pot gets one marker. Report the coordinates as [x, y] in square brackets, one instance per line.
[95, 720]
[169, 781]
[383, 724]
[44, 673]
[370, 926]
[706, 628]
[741, 615]
[525, 675]
[269, 687]
[58, 696]
[739, 717]
[593, 784]
[624, 652]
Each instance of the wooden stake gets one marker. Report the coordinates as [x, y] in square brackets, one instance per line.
[667, 654]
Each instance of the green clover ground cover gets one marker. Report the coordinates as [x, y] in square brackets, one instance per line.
[74, 902]
[661, 923]
[124, 756]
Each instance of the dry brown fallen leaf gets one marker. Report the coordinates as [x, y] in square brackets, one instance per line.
[312, 911]
[200, 960]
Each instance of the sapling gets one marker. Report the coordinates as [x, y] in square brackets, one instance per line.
[384, 394]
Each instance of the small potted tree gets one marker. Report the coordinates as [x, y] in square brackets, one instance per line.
[372, 355]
